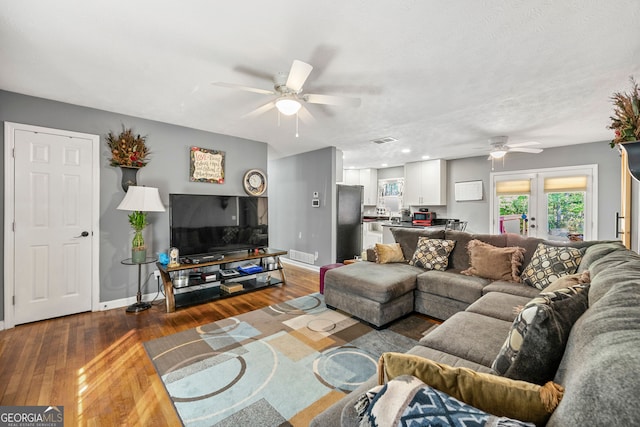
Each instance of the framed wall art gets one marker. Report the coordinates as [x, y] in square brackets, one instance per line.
[206, 165]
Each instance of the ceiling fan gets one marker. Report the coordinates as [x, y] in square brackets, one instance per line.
[288, 89]
[500, 147]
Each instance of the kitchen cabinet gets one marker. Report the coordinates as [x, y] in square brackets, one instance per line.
[425, 183]
[368, 178]
[372, 234]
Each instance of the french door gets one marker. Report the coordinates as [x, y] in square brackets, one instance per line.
[553, 204]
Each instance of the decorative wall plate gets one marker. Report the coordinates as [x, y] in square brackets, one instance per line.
[255, 182]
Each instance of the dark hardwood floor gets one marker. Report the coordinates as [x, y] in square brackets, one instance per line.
[95, 366]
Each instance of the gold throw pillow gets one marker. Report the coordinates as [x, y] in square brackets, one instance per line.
[388, 253]
[496, 395]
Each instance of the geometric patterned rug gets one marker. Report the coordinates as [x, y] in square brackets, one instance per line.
[277, 366]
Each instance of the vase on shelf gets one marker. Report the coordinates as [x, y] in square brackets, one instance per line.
[129, 177]
[632, 149]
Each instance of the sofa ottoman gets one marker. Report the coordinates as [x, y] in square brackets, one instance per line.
[375, 293]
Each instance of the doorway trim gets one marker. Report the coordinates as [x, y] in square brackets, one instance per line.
[9, 208]
[565, 170]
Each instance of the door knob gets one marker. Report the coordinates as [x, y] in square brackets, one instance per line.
[83, 234]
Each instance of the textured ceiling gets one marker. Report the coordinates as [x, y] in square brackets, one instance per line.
[441, 77]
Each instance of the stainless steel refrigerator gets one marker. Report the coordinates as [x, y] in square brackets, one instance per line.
[349, 211]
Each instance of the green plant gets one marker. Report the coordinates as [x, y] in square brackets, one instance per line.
[138, 221]
[625, 121]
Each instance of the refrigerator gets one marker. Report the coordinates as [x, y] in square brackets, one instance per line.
[349, 221]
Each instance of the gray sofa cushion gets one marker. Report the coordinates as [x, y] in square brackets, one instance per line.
[448, 359]
[408, 238]
[459, 258]
[469, 336]
[601, 362]
[451, 284]
[531, 243]
[501, 306]
[378, 282]
[597, 251]
[511, 288]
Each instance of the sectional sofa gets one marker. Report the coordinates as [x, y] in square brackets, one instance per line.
[597, 362]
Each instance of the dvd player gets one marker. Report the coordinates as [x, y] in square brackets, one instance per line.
[197, 259]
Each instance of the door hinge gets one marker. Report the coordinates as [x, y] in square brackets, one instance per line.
[13, 226]
[14, 300]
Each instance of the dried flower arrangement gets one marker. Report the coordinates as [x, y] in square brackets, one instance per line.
[625, 121]
[127, 149]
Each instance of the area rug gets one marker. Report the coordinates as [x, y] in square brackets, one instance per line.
[280, 365]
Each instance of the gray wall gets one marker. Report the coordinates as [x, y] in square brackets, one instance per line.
[168, 170]
[293, 223]
[479, 168]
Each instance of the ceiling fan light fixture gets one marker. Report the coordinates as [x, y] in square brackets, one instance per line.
[288, 106]
[498, 153]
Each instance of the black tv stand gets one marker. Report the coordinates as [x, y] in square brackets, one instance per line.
[214, 291]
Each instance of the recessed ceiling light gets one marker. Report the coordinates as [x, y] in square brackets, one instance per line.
[406, 150]
[384, 165]
[425, 157]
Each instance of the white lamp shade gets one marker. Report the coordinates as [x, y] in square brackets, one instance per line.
[144, 199]
[288, 106]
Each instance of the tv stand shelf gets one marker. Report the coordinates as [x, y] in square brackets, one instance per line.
[202, 291]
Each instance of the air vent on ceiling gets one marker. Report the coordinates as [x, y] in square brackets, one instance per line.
[384, 140]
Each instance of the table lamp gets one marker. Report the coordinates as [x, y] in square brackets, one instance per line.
[140, 200]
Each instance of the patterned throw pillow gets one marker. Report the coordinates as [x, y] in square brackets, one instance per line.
[537, 338]
[549, 263]
[388, 253]
[432, 254]
[406, 400]
[490, 393]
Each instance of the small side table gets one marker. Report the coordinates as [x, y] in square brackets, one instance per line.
[139, 305]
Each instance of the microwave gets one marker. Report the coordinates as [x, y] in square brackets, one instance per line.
[423, 218]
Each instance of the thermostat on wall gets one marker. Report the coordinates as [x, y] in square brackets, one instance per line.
[315, 203]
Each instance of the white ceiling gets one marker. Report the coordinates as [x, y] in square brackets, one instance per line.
[441, 77]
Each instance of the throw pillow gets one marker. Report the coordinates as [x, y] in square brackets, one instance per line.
[538, 336]
[568, 281]
[388, 253]
[432, 254]
[548, 263]
[494, 263]
[407, 401]
[493, 394]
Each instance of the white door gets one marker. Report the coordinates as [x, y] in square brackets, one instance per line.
[552, 204]
[52, 253]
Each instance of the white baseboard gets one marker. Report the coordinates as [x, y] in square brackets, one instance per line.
[300, 264]
[126, 302]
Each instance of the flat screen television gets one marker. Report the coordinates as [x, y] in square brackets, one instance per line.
[212, 224]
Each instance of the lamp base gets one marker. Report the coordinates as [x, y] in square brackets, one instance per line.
[138, 307]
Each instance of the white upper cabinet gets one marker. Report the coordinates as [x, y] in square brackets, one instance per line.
[425, 183]
[368, 178]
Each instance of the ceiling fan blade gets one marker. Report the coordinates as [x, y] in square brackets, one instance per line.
[305, 116]
[522, 144]
[314, 98]
[261, 110]
[245, 88]
[526, 150]
[298, 75]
